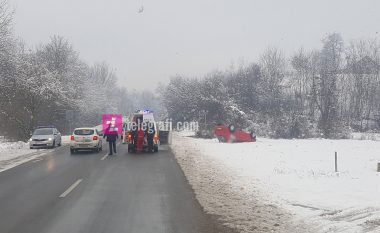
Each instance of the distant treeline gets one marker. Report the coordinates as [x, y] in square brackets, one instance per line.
[51, 85]
[323, 93]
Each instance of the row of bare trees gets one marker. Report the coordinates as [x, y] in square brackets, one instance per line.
[338, 86]
[51, 85]
[322, 93]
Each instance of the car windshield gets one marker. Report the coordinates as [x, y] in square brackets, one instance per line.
[84, 132]
[45, 131]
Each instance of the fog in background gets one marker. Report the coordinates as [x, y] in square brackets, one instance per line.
[188, 37]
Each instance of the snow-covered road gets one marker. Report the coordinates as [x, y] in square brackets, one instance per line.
[286, 185]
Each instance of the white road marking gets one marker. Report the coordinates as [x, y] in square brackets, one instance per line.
[21, 159]
[104, 157]
[37, 160]
[71, 188]
[41, 158]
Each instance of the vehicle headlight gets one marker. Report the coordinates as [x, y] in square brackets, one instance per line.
[30, 140]
[50, 139]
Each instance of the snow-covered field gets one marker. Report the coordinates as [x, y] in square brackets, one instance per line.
[286, 185]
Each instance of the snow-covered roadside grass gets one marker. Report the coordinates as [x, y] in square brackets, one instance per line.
[15, 153]
[285, 185]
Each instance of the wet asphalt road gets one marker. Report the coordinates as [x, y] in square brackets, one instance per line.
[91, 192]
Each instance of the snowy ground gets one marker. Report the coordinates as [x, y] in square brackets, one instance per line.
[286, 185]
[65, 140]
[16, 153]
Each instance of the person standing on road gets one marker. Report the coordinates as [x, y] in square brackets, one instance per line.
[111, 139]
[150, 131]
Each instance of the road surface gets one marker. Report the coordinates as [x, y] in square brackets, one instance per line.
[90, 192]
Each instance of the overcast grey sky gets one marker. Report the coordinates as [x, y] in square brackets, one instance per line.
[190, 37]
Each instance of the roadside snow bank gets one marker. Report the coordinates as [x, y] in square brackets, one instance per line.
[13, 145]
[16, 153]
[264, 186]
[65, 140]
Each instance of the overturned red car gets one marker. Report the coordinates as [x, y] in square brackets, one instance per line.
[232, 134]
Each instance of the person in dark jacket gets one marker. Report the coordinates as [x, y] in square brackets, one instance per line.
[150, 131]
[111, 139]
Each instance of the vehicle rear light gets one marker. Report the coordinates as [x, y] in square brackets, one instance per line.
[72, 138]
[95, 138]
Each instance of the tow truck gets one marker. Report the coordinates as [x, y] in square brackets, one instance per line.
[142, 133]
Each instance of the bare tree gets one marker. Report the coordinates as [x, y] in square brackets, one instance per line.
[363, 76]
[6, 17]
[327, 90]
[273, 65]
